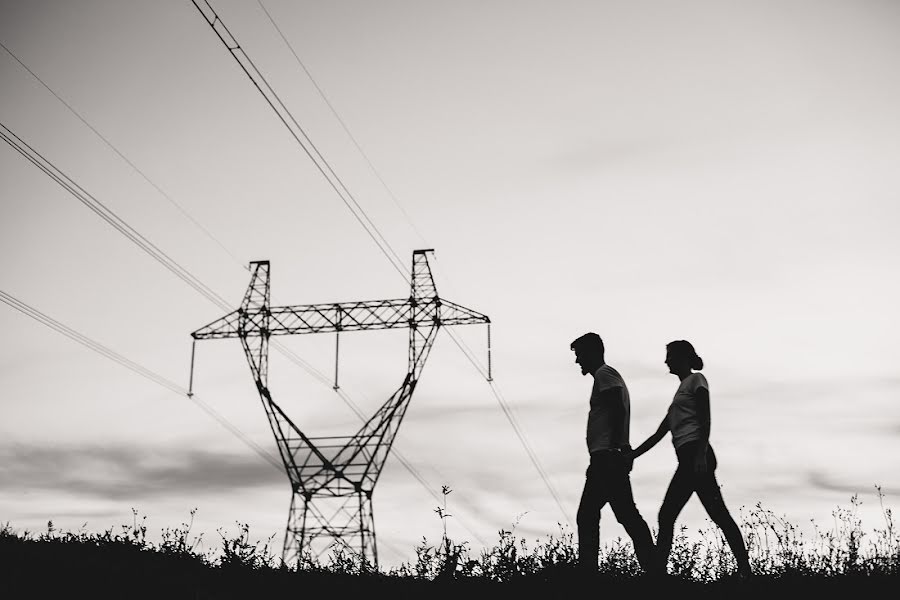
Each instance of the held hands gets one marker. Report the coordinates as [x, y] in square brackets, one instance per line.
[628, 460]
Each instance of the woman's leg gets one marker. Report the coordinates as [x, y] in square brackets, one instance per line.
[680, 489]
[711, 497]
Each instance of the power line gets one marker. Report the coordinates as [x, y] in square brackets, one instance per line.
[300, 136]
[182, 273]
[156, 378]
[343, 125]
[185, 275]
[486, 373]
[298, 133]
[71, 188]
[285, 115]
[134, 167]
[517, 428]
[459, 342]
[148, 374]
[507, 410]
[129, 232]
[102, 211]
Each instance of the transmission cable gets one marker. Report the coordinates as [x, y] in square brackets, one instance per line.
[60, 178]
[122, 227]
[170, 385]
[178, 206]
[298, 133]
[262, 83]
[343, 124]
[156, 378]
[300, 136]
[108, 215]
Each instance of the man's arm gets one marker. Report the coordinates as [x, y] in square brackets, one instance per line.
[614, 398]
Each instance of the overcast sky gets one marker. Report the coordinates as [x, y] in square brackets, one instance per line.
[726, 173]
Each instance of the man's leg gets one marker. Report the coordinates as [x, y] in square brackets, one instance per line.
[622, 502]
[588, 519]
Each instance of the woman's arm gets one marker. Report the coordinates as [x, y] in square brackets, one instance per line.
[651, 441]
[703, 415]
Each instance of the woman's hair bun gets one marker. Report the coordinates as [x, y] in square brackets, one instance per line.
[696, 362]
[685, 349]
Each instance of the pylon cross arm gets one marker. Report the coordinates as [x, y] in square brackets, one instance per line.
[456, 314]
[221, 328]
[345, 316]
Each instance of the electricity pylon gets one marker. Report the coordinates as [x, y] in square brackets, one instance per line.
[333, 478]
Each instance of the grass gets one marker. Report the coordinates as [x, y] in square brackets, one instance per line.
[122, 563]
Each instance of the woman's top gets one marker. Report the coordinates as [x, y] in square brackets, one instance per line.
[683, 419]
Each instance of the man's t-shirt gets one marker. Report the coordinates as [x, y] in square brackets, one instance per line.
[600, 417]
[683, 420]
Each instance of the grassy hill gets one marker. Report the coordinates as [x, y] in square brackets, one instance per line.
[122, 563]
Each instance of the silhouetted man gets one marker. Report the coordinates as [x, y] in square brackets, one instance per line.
[607, 477]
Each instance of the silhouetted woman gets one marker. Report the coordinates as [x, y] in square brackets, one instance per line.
[688, 418]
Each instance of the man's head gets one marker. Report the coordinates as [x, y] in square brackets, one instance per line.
[589, 352]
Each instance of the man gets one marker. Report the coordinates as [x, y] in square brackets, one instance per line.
[607, 477]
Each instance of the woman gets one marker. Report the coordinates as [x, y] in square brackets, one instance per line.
[688, 418]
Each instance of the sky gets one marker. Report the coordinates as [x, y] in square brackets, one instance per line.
[725, 173]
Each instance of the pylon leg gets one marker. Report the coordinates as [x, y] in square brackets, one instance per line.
[321, 526]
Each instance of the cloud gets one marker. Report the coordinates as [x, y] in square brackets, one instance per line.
[821, 481]
[119, 472]
[71, 514]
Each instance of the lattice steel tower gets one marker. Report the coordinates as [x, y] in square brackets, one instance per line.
[333, 478]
